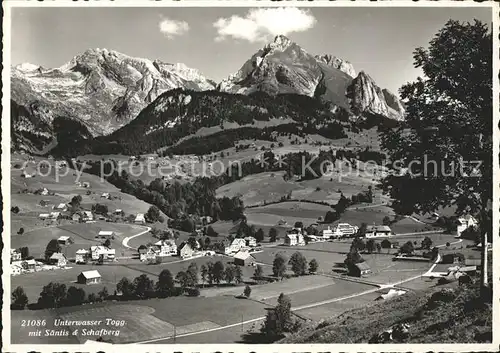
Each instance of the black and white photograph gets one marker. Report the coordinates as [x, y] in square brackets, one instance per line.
[250, 172]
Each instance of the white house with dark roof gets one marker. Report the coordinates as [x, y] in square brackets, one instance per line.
[140, 219]
[89, 277]
[378, 231]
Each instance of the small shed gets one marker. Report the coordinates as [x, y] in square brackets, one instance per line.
[89, 277]
[359, 270]
[243, 258]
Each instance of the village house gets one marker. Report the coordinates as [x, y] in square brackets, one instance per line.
[294, 237]
[139, 219]
[86, 184]
[58, 259]
[250, 242]
[62, 207]
[43, 216]
[15, 255]
[244, 258]
[118, 211]
[167, 247]
[82, 256]
[105, 195]
[185, 250]
[89, 277]
[87, 216]
[464, 223]
[99, 251]
[76, 217]
[378, 231]
[359, 270]
[236, 245]
[65, 240]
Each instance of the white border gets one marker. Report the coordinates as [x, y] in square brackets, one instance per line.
[5, 184]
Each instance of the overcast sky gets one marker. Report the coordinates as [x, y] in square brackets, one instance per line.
[217, 41]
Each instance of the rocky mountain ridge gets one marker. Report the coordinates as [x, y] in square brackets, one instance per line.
[284, 67]
[101, 88]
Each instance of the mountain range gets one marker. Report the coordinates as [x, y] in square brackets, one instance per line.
[102, 90]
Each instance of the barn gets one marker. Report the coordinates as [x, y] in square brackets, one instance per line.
[243, 258]
[89, 277]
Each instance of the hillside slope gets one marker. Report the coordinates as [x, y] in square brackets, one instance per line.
[438, 315]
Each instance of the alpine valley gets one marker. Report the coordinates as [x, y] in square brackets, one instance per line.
[103, 101]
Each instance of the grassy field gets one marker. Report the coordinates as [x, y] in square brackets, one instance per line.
[83, 235]
[470, 320]
[64, 187]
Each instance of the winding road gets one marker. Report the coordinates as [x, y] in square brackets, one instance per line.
[127, 239]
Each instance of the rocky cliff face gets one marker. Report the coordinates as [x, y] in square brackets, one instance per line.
[365, 97]
[102, 89]
[337, 63]
[284, 67]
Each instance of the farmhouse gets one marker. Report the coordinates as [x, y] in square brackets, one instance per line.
[105, 195]
[358, 270]
[455, 258]
[86, 184]
[43, 216]
[100, 251]
[44, 192]
[82, 256]
[236, 246]
[251, 242]
[139, 219]
[89, 277]
[87, 216]
[464, 223]
[15, 255]
[76, 217]
[185, 250]
[16, 269]
[64, 240]
[294, 238]
[106, 234]
[243, 258]
[378, 231]
[58, 259]
[118, 211]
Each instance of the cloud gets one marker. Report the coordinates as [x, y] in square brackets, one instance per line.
[259, 25]
[171, 28]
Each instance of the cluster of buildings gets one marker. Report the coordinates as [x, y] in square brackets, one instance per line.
[240, 244]
[163, 248]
